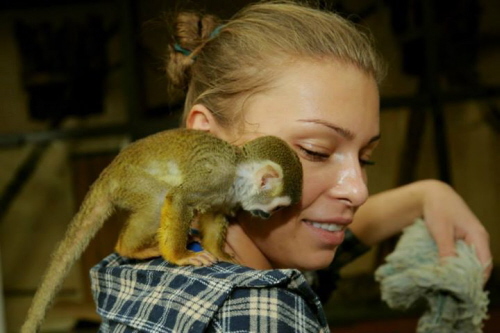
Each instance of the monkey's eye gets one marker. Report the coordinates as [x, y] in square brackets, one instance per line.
[260, 213]
[277, 208]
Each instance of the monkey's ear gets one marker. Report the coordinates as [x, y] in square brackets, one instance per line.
[267, 176]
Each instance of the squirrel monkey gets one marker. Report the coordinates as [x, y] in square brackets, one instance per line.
[165, 181]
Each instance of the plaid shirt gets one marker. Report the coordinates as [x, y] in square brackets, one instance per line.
[155, 296]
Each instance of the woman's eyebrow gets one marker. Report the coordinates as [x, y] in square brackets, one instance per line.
[344, 132]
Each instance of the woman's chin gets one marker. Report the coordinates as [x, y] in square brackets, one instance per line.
[314, 262]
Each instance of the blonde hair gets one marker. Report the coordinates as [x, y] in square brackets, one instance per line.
[248, 52]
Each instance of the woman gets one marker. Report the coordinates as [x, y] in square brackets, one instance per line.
[310, 78]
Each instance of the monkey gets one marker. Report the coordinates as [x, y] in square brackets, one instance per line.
[166, 181]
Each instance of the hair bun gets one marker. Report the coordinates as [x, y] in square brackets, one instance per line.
[178, 68]
[191, 32]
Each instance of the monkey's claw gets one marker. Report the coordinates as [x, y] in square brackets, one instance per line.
[222, 256]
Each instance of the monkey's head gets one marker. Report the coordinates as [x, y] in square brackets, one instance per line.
[274, 176]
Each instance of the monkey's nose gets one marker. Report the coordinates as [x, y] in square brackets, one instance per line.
[260, 213]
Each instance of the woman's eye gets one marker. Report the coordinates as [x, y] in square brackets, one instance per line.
[313, 155]
[366, 162]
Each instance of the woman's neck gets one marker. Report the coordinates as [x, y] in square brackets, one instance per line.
[244, 250]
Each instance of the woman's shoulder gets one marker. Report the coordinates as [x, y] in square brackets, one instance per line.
[220, 273]
[154, 293]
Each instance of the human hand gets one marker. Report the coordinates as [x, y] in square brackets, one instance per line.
[448, 219]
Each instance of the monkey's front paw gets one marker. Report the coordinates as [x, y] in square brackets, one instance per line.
[202, 258]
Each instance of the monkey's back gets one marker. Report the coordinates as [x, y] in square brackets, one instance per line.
[181, 145]
[193, 158]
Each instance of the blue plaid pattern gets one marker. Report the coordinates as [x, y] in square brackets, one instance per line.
[155, 296]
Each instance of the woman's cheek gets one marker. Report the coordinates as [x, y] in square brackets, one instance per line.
[313, 182]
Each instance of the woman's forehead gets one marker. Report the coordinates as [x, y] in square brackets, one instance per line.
[312, 90]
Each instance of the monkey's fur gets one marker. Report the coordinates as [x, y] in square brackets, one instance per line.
[165, 181]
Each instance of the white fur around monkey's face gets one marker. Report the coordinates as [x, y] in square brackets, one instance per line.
[329, 113]
[259, 186]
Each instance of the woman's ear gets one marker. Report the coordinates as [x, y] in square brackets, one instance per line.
[200, 118]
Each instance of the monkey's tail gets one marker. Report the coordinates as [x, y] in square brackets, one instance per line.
[94, 211]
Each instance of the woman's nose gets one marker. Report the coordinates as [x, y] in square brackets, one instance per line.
[349, 184]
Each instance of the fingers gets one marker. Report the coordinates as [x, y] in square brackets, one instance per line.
[479, 239]
[443, 235]
[448, 219]
[488, 268]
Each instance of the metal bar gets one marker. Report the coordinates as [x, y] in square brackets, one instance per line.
[411, 149]
[22, 175]
[141, 128]
[132, 79]
[20, 139]
[431, 84]
[480, 93]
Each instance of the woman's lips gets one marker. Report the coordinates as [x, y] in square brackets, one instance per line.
[330, 233]
[327, 226]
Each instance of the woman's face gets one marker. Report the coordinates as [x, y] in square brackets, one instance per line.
[329, 113]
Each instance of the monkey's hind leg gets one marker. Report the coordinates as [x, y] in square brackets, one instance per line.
[213, 228]
[172, 235]
[138, 237]
[142, 199]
